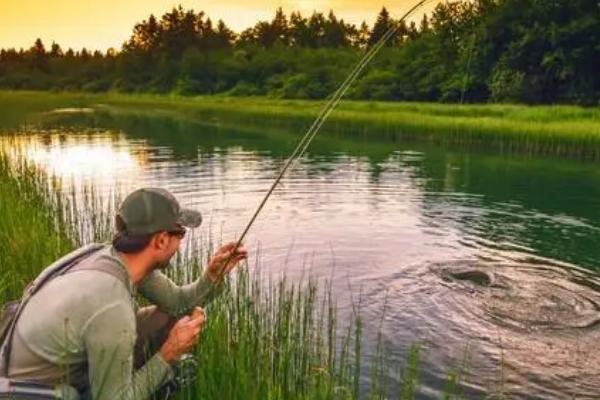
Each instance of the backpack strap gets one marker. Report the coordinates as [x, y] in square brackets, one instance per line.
[57, 268]
[104, 265]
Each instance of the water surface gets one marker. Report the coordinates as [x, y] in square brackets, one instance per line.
[488, 261]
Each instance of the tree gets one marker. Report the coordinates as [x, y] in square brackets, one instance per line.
[178, 31]
[382, 25]
[424, 28]
[402, 33]
[38, 55]
[316, 26]
[533, 51]
[38, 48]
[55, 50]
[84, 54]
[280, 27]
[224, 36]
[363, 35]
[335, 32]
[146, 36]
[413, 32]
[267, 34]
[300, 33]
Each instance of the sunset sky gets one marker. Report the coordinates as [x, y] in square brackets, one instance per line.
[108, 23]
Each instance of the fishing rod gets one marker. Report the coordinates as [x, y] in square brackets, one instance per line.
[310, 134]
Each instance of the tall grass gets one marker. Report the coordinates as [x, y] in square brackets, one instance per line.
[31, 235]
[563, 131]
[266, 338]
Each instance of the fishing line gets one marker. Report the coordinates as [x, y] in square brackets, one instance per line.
[335, 99]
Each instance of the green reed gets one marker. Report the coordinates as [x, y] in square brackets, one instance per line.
[30, 234]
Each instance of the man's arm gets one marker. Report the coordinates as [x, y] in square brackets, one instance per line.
[179, 300]
[109, 337]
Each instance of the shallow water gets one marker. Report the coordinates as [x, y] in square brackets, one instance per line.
[488, 261]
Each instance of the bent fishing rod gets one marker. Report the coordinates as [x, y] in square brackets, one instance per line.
[310, 134]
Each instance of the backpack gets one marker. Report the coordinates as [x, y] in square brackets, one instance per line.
[7, 313]
[11, 311]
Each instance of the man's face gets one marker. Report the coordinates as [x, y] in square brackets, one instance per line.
[167, 244]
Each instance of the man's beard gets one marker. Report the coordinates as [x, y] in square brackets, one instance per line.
[162, 265]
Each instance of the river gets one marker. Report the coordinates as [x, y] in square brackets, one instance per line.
[487, 260]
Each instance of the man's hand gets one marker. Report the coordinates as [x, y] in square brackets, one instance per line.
[183, 336]
[217, 269]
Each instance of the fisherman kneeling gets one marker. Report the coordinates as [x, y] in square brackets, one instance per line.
[78, 330]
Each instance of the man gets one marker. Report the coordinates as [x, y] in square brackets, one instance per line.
[83, 328]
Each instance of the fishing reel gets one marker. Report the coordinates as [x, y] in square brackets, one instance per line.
[186, 370]
[186, 374]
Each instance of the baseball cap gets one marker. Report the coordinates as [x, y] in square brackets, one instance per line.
[150, 210]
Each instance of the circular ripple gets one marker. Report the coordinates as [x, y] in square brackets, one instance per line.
[544, 305]
[536, 320]
[530, 296]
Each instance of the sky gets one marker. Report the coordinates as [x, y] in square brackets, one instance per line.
[98, 25]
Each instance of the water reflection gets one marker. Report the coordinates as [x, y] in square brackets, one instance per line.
[74, 157]
[462, 247]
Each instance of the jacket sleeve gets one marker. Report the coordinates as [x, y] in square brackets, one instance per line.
[178, 300]
[110, 357]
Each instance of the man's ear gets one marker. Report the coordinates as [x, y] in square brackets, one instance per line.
[160, 240]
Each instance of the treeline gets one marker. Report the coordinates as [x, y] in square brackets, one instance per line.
[532, 51]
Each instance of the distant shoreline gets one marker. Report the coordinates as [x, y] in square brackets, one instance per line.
[560, 131]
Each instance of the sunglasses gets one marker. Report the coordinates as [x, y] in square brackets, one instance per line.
[178, 232]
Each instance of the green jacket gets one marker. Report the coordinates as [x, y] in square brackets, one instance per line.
[80, 329]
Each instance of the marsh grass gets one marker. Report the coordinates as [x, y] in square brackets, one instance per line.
[562, 131]
[30, 233]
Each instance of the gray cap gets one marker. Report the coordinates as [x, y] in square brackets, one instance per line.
[150, 210]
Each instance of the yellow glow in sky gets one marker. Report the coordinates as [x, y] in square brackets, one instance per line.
[108, 23]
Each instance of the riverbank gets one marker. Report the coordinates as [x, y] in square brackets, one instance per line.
[559, 131]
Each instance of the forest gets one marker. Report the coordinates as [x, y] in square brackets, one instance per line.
[517, 51]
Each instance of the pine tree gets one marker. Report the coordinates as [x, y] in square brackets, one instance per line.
[382, 25]
[364, 32]
[146, 36]
[38, 55]
[401, 35]
[38, 48]
[300, 35]
[55, 50]
[316, 26]
[280, 27]
[225, 36]
[424, 28]
[413, 32]
[334, 32]
[84, 54]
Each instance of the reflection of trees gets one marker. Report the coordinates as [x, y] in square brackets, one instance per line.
[547, 205]
[533, 202]
[186, 136]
